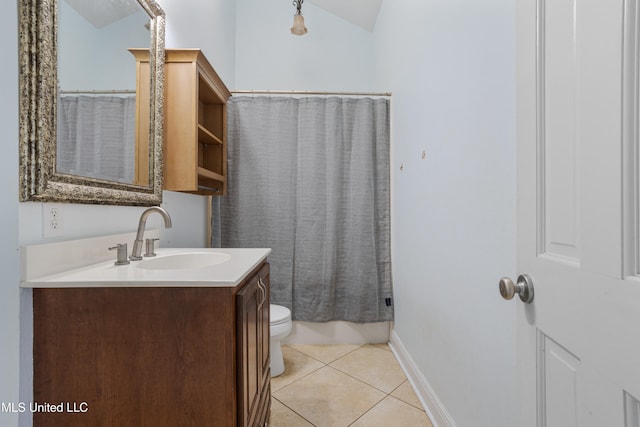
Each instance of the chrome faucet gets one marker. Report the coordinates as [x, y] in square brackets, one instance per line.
[136, 252]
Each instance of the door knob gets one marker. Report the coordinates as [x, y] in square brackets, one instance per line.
[523, 287]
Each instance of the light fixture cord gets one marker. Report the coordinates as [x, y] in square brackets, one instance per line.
[298, 6]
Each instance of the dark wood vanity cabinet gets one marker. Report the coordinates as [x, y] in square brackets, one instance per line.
[252, 305]
[146, 356]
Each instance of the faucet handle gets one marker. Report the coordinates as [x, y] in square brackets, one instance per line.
[122, 254]
[150, 247]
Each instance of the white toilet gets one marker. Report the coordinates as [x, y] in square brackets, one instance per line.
[280, 328]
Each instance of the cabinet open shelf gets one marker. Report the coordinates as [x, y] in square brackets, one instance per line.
[206, 137]
[207, 174]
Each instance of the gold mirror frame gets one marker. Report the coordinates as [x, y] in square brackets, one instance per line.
[38, 62]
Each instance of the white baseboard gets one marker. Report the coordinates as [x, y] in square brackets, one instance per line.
[432, 405]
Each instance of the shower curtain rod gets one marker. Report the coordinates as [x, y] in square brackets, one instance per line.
[99, 92]
[303, 92]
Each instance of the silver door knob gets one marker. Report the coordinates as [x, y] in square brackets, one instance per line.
[523, 287]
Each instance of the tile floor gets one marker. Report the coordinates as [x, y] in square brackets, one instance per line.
[343, 385]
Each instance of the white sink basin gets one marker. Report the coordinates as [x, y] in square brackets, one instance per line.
[184, 261]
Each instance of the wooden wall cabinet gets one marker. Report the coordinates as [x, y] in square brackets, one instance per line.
[195, 123]
[181, 356]
[195, 154]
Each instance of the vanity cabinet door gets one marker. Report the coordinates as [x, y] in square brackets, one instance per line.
[252, 308]
[264, 356]
[265, 325]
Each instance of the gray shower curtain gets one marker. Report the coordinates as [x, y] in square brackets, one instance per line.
[309, 178]
[96, 137]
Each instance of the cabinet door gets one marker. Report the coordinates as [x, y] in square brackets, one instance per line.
[265, 324]
[265, 357]
[250, 304]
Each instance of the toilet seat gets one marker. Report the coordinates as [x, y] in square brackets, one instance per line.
[279, 314]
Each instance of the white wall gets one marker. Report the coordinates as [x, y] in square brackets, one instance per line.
[206, 24]
[451, 67]
[9, 257]
[333, 56]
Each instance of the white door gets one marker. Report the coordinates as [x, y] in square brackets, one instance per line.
[578, 212]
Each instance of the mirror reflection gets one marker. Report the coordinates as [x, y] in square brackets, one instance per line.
[96, 123]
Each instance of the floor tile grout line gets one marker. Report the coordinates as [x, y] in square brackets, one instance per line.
[402, 400]
[407, 403]
[363, 382]
[403, 382]
[298, 379]
[293, 410]
[305, 375]
[359, 346]
[368, 410]
[379, 402]
[308, 355]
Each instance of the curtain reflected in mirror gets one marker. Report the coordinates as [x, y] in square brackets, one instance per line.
[96, 136]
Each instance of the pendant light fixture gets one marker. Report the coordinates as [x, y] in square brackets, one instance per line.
[298, 21]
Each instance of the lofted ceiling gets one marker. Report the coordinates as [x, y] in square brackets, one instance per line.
[104, 12]
[362, 13]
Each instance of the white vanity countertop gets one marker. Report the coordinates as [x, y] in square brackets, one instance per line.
[105, 274]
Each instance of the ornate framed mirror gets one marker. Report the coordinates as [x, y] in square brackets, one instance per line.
[43, 176]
